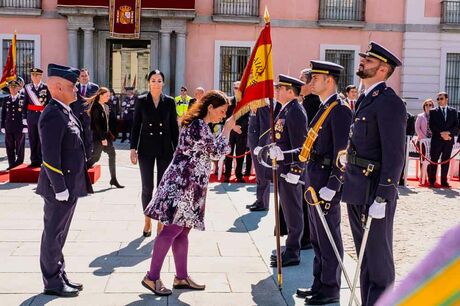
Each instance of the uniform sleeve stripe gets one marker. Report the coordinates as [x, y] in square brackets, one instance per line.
[52, 168]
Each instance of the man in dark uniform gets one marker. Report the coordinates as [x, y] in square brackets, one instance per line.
[63, 177]
[12, 125]
[114, 113]
[259, 136]
[310, 101]
[37, 96]
[86, 88]
[238, 140]
[375, 157]
[326, 178]
[290, 132]
[444, 126]
[127, 107]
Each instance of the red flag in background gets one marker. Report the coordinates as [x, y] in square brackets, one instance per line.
[9, 70]
[257, 80]
[125, 18]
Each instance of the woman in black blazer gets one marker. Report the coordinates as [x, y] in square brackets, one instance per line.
[102, 137]
[154, 137]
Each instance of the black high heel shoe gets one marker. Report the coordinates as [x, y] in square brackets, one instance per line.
[114, 182]
[146, 234]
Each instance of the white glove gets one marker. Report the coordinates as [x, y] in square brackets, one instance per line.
[257, 150]
[24, 121]
[276, 153]
[292, 178]
[3, 131]
[62, 196]
[326, 194]
[24, 130]
[377, 210]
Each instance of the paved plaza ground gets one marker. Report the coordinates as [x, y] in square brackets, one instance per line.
[106, 251]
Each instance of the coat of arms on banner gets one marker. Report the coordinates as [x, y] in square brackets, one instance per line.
[125, 15]
[124, 18]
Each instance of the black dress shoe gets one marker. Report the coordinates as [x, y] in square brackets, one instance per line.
[286, 262]
[445, 184]
[258, 208]
[227, 179]
[34, 165]
[240, 179]
[306, 246]
[252, 205]
[319, 299]
[65, 291]
[71, 284]
[115, 183]
[304, 292]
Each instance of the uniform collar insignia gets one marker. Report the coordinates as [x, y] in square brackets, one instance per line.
[375, 93]
[65, 111]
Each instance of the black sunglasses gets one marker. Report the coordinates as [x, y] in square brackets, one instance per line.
[440, 99]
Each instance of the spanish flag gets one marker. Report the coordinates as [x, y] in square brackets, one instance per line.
[257, 80]
[9, 70]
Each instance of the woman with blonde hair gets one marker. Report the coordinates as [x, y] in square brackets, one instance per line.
[179, 201]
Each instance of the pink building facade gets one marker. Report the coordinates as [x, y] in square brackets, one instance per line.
[207, 42]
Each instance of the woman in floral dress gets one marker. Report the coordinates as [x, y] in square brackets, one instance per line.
[179, 201]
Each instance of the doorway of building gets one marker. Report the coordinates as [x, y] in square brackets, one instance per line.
[129, 64]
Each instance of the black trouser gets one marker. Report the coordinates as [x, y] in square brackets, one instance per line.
[247, 171]
[237, 145]
[15, 145]
[110, 150]
[127, 125]
[146, 165]
[443, 149]
[57, 218]
[34, 138]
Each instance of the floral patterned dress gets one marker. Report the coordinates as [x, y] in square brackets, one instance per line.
[181, 195]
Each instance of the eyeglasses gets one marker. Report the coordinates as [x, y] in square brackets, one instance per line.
[429, 104]
[236, 88]
[182, 90]
[440, 99]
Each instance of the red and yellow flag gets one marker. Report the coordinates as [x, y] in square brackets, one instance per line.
[9, 70]
[257, 80]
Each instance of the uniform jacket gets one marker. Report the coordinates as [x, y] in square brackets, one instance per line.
[438, 124]
[332, 138]
[91, 89]
[311, 104]
[79, 108]
[259, 127]
[155, 131]
[290, 133]
[128, 105]
[99, 122]
[114, 107]
[12, 114]
[64, 165]
[42, 93]
[377, 134]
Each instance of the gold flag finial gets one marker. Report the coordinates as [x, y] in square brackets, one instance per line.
[266, 15]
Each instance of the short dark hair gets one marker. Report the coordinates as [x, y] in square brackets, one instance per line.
[350, 87]
[444, 94]
[391, 69]
[155, 72]
[84, 70]
[184, 88]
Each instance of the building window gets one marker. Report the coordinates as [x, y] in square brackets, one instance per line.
[232, 63]
[30, 4]
[25, 54]
[450, 12]
[453, 79]
[342, 10]
[345, 58]
[236, 7]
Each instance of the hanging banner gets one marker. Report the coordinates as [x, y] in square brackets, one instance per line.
[125, 18]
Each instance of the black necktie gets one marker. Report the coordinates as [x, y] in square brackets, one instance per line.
[444, 113]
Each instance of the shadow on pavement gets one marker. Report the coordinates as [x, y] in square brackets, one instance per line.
[10, 186]
[250, 220]
[39, 299]
[128, 256]
[149, 299]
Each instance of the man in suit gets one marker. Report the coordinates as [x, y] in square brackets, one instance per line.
[63, 177]
[12, 125]
[375, 158]
[290, 132]
[127, 109]
[37, 96]
[326, 178]
[352, 95]
[86, 88]
[310, 101]
[444, 127]
[259, 136]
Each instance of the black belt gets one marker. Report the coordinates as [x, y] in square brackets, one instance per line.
[367, 164]
[325, 161]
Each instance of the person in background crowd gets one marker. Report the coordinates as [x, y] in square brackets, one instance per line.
[12, 125]
[351, 92]
[154, 137]
[310, 101]
[127, 106]
[102, 137]
[114, 113]
[443, 124]
[410, 131]
[182, 102]
[184, 209]
[59, 187]
[36, 96]
[199, 92]
[422, 127]
[85, 87]
[238, 139]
